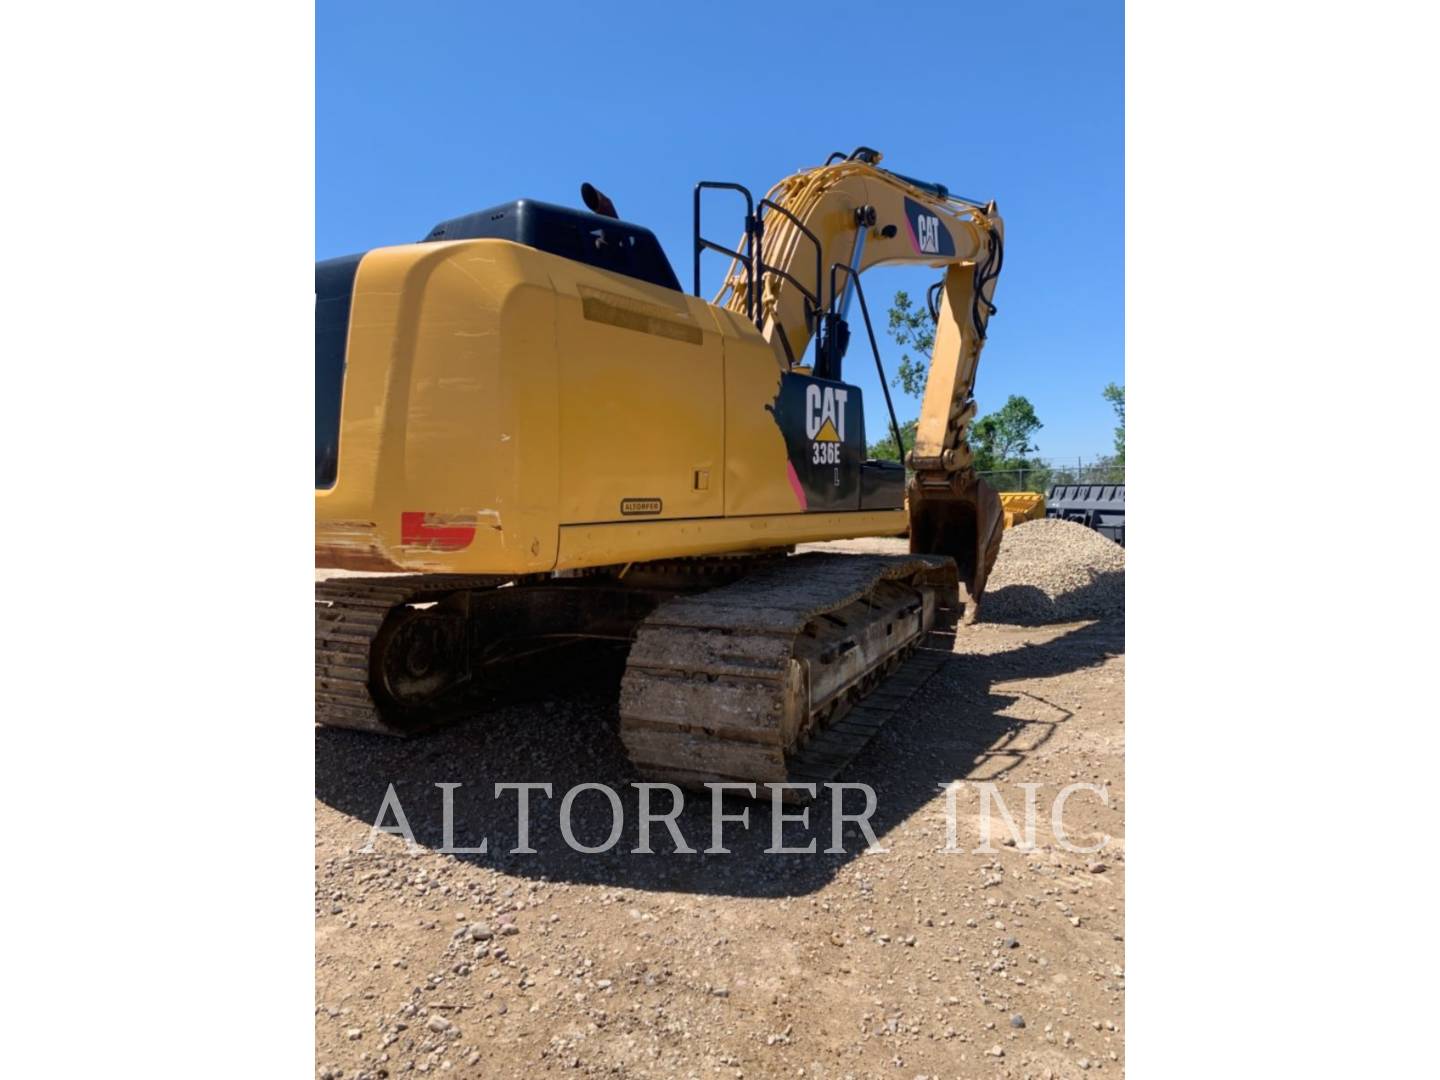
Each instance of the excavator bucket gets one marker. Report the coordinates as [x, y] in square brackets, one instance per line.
[962, 519]
[1021, 506]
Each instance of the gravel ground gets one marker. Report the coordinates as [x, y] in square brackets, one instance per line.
[1048, 571]
[908, 962]
[1051, 570]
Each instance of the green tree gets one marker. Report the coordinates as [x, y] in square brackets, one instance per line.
[1116, 396]
[911, 328]
[1002, 439]
[1002, 442]
[885, 448]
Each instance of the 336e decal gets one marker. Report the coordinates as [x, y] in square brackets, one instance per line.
[825, 422]
[824, 440]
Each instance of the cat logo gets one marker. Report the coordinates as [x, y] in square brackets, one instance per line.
[825, 411]
[825, 422]
[928, 234]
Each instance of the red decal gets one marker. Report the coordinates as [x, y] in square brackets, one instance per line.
[414, 529]
[795, 486]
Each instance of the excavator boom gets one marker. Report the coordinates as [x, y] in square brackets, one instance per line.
[841, 219]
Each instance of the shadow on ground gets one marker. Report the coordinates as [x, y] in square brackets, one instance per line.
[958, 727]
[1027, 605]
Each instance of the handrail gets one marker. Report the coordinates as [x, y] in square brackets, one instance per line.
[752, 226]
[813, 298]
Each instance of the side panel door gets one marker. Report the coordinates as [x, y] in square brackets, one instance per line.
[642, 400]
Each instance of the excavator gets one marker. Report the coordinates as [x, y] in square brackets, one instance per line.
[530, 437]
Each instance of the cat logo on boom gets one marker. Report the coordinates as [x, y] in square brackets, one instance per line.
[825, 422]
[927, 232]
[928, 235]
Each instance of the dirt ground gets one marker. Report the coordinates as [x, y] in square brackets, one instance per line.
[910, 962]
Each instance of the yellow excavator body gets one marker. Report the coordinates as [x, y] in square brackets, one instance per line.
[533, 440]
[510, 411]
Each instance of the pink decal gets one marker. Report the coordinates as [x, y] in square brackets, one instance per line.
[914, 241]
[795, 486]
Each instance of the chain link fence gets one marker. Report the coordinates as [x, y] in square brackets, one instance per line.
[1037, 474]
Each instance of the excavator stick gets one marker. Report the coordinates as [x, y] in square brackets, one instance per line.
[958, 515]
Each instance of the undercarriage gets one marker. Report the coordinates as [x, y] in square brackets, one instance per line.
[758, 668]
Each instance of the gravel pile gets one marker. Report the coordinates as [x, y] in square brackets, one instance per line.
[1051, 570]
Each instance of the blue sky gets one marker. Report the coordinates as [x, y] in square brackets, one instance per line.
[429, 110]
